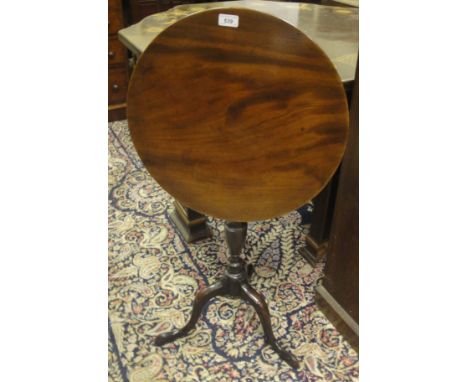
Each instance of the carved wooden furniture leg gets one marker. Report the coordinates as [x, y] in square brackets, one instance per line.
[238, 273]
[201, 299]
[234, 284]
[258, 302]
[190, 223]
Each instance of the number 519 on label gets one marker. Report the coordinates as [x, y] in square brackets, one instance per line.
[228, 20]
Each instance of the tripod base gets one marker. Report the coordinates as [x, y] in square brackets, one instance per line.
[234, 284]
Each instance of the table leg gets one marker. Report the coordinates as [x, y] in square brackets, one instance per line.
[316, 241]
[233, 284]
[189, 223]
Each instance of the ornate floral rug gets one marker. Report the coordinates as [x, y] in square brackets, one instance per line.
[154, 274]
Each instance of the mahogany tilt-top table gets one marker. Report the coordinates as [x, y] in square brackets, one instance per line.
[241, 116]
[334, 29]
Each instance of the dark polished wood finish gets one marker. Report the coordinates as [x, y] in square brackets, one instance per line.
[117, 112]
[115, 16]
[316, 241]
[234, 284]
[117, 60]
[191, 224]
[341, 281]
[333, 29]
[240, 123]
[139, 9]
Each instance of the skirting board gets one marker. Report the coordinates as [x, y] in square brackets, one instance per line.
[117, 112]
[342, 321]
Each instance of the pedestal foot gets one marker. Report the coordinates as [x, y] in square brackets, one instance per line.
[233, 284]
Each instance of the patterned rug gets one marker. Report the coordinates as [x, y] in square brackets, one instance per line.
[154, 274]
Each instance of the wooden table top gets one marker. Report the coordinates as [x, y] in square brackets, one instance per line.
[240, 123]
[334, 29]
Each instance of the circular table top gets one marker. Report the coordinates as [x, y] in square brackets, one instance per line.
[240, 123]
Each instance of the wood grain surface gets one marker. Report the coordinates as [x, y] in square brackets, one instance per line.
[242, 123]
